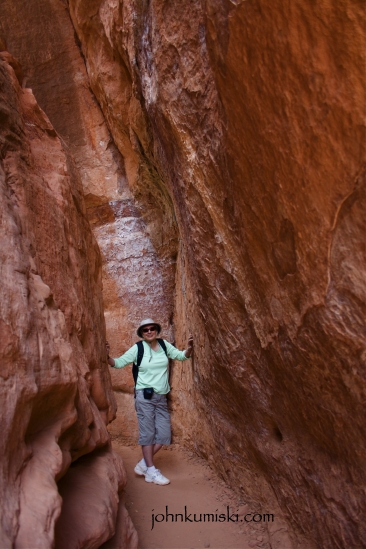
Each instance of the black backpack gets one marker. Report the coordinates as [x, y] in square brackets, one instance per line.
[140, 354]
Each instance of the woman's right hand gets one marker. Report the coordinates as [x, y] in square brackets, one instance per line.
[109, 359]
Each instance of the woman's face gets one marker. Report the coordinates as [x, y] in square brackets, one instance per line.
[149, 333]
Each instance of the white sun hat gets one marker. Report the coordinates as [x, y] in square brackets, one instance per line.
[146, 322]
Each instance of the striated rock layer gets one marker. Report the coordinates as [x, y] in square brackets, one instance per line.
[55, 390]
[240, 129]
[54, 67]
[40, 34]
[243, 122]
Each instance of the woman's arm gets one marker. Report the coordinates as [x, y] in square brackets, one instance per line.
[127, 358]
[176, 354]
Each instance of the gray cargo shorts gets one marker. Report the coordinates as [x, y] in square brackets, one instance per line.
[154, 419]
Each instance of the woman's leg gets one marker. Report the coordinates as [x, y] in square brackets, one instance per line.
[162, 436]
[156, 448]
[148, 453]
[162, 422]
[145, 410]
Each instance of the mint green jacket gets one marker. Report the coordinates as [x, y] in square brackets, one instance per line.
[153, 370]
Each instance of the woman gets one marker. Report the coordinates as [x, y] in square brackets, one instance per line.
[152, 386]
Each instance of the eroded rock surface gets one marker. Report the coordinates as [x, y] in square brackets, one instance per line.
[105, 519]
[240, 125]
[55, 390]
[250, 123]
[53, 66]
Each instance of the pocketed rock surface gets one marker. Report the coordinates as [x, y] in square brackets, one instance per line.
[55, 390]
[241, 128]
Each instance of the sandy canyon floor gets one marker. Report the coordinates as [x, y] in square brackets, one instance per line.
[194, 486]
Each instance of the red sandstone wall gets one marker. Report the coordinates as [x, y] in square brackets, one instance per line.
[241, 127]
[54, 67]
[248, 126]
[55, 390]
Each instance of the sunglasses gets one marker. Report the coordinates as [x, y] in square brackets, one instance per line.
[145, 330]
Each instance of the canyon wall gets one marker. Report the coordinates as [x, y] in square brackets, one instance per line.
[56, 393]
[53, 66]
[236, 128]
[248, 123]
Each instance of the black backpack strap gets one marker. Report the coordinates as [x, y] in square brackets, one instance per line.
[140, 354]
[162, 345]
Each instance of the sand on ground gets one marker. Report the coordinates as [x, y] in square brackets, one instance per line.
[194, 490]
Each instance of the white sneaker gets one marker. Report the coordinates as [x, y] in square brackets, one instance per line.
[156, 477]
[140, 469]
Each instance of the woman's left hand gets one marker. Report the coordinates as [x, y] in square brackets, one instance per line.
[189, 350]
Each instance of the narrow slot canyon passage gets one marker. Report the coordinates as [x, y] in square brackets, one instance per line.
[189, 508]
[201, 164]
